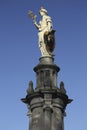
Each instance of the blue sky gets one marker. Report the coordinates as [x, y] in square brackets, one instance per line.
[19, 54]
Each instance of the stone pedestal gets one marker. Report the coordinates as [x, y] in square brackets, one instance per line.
[47, 103]
[46, 74]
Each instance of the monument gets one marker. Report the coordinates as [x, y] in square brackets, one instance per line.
[47, 102]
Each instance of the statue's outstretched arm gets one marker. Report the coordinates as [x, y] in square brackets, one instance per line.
[37, 25]
[33, 17]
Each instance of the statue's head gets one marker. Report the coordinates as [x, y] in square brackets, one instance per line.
[43, 10]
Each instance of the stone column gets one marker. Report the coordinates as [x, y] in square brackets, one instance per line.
[47, 103]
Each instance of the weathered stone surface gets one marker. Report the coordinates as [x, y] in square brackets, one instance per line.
[46, 73]
[47, 103]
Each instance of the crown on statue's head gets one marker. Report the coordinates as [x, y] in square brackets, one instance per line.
[42, 9]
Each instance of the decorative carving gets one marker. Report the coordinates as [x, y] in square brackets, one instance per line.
[29, 113]
[62, 89]
[57, 120]
[45, 32]
[30, 89]
[35, 122]
[36, 118]
[47, 79]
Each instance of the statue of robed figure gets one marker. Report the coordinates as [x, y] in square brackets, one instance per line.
[46, 38]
